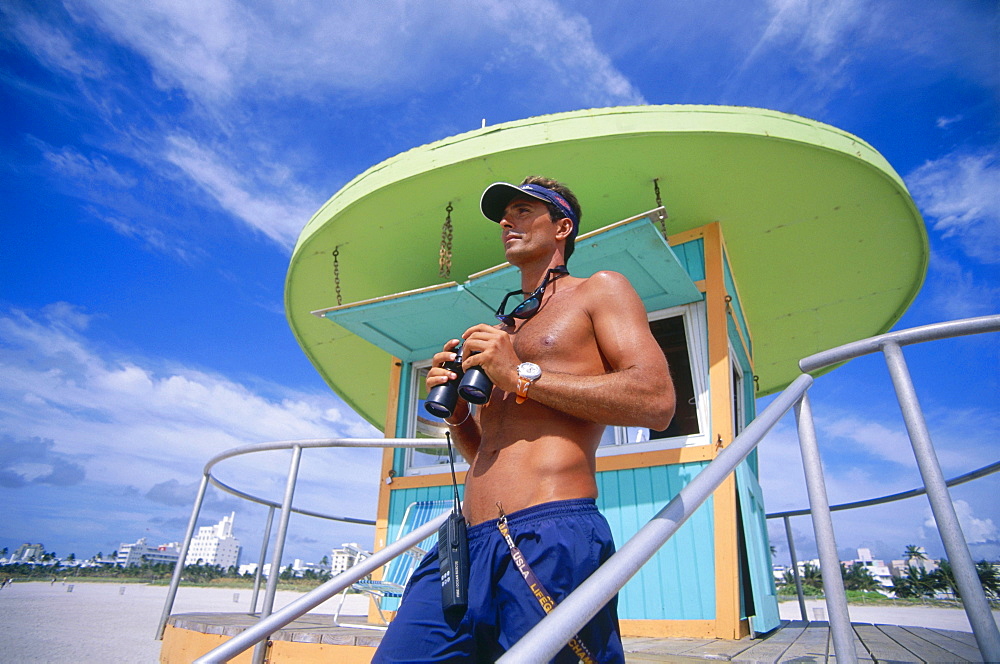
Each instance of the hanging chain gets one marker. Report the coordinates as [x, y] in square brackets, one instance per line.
[659, 204]
[336, 272]
[444, 255]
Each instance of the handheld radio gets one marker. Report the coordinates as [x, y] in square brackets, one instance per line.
[453, 550]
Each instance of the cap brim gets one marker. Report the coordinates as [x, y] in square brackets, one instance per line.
[498, 195]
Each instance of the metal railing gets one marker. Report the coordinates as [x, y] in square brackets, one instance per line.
[286, 510]
[559, 626]
[890, 345]
[988, 469]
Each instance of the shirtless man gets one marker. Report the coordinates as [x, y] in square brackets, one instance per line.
[578, 358]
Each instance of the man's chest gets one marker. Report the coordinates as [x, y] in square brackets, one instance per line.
[557, 333]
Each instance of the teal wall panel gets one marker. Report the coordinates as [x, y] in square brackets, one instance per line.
[692, 257]
[678, 583]
[740, 317]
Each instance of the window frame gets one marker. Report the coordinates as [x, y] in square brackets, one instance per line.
[695, 325]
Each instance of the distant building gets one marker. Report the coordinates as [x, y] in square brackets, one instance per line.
[215, 545]
[877, 568]
[251, 568]
[300, 567]
[346, 557]
[901, 567]
[26, 552]
[138, 553]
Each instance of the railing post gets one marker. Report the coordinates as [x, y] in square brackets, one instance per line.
[260, 561]
[175, 579]
[966, 578]
[795, 569]
[260, 651]
[833, 582]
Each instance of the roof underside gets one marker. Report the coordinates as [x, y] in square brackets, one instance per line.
[825, 243]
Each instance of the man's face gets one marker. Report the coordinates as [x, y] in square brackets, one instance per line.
[527, 229]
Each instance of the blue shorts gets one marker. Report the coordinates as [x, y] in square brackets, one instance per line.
[563, 542]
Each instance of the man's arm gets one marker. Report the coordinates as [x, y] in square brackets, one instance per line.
[636, 391]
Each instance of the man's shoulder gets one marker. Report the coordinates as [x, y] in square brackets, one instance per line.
[607, 281]
[608, 290]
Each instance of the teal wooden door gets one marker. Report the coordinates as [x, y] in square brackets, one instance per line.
[758, 551]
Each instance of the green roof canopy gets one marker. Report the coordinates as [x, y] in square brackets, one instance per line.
[825, 242]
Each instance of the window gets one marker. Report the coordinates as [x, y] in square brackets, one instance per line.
[679, 332]
[424, 425]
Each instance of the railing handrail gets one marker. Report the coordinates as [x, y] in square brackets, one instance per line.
[913, 335]
[988, 469]
[312, 443]
[296, 446]
[373, 443]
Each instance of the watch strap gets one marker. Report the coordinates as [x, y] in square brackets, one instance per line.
[522, 389]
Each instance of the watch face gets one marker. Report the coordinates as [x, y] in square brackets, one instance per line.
[529, 370]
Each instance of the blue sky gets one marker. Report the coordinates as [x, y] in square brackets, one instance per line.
[160, 158]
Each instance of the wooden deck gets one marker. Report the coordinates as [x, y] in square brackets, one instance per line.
[793, 641]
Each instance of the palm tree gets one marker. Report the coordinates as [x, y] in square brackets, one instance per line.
[859, 577]
[811, 576]
[914, 552]
[923, 583]
[943, 579]
[989, 577]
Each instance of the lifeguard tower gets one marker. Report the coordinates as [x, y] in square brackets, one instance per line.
[754, 238]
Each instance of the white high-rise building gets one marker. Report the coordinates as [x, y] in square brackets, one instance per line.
[215, 545]
[346, 557]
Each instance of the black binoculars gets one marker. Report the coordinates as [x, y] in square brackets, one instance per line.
[473, 385]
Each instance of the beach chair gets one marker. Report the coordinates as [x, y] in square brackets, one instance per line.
[398, 570]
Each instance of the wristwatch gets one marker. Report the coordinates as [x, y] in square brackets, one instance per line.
[527, 373]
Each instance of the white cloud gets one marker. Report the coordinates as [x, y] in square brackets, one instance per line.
[91, 171]
[960, 194]
[818, 26]
[976, 530]
[128, 421]
[239, 63]
[310, 50]
[954, 291]
[816, 30]
[887, 444]
[194, 45]
[53, 46]
[865, 458]
[279, 215]
[945, 122]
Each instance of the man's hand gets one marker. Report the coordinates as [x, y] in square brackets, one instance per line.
[491, 348]
[437, 374]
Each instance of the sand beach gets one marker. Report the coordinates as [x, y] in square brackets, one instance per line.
[112, 622]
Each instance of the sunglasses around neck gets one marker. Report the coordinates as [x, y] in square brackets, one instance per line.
[531, 304]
